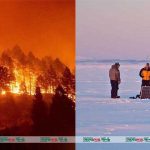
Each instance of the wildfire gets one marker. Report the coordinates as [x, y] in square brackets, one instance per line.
[3, 92]
[14, 88]
[21, 74]
[25, 82]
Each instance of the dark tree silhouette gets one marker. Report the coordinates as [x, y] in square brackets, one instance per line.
[68, 81]
[51, 78]
[72, 91]
[46, 63]
[39, 114]
[33, 63]
[19, 55]
[6, 60]
[48, 80]
[58, 66]
[62, 114]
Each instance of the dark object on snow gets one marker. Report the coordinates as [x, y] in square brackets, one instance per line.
[145, 92]
[137, 96]
[132, 97]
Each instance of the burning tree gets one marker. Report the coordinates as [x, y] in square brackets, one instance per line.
[51, 78]
[23, 88]
[5, 79]
[48, 81]
[41, 81]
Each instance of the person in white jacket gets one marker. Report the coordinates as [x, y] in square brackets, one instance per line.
[114, 75]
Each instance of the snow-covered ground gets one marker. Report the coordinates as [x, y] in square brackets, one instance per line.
[98, 114]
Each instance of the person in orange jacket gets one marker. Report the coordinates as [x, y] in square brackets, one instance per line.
[145, 75]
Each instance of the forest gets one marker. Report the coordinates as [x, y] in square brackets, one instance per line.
[37, 95]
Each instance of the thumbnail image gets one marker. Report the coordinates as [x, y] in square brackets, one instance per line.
[113, 71]
[37, 68]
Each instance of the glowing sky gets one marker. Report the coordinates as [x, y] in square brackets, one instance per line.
[109, 29]
[46, 27]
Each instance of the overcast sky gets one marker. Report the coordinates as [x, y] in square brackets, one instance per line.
[113, 29]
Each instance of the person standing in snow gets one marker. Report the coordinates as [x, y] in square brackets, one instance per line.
[114, 75]
[145, 75]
